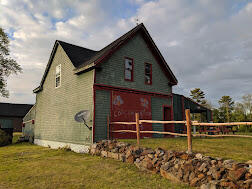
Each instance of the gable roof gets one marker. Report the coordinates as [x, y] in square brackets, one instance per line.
[14, 110]
[77, 54]
[83, 58]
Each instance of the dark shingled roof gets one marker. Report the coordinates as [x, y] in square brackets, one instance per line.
[78, 55]
[14, 110]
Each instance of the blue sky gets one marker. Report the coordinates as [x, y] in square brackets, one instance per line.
[207, 43]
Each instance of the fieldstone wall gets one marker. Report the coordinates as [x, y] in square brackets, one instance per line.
[194, 169]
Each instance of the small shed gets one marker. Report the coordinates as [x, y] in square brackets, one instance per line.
[181, 103]
[11, 116]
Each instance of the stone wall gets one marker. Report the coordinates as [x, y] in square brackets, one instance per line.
[194, 169]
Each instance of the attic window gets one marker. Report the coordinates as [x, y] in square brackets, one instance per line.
[148, 73]
[58, 76]
[128, 69]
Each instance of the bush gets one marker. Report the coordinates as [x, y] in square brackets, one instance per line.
[244, 128]
[5, 138]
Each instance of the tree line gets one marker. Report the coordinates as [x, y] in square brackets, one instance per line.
[228, 110]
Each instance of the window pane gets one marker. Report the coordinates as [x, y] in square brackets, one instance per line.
[148, 73]
[127, 74]
[128, 64]
[57, 81]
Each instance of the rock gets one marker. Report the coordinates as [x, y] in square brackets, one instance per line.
[219, 174]
[191, 176]
[147, 151]
[169, 176]
[176, 166]
[213, 162]
[249, 181]
[104, 154]
[199, 156]
[249, 162]
[184, 156]
[122, 157]
[150, 156]
[208, 186]
[236, 174]
[250, 170]
[194, 181]
[203, 166]
[130, 159]
[224, 183]
[248, 176]
[201, 176]
[112, 155]
[166, 166]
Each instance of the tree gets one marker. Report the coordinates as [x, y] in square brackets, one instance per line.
[8, 65]
[247, 105]
[226, 107]
[198, 96]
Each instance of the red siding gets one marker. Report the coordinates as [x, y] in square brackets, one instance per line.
[123, 108]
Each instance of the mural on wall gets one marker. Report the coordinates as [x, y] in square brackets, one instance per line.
[124, 106]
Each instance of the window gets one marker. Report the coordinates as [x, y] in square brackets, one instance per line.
[128, 69]
[148, 74]
[58, 76]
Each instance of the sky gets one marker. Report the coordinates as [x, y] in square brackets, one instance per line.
[206, 43]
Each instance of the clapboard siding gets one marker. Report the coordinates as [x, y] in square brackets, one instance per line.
[112, 72]
[157, 112]
[102, 110]
[56, 107]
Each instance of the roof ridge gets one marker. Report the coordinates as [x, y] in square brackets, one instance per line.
[138, 26]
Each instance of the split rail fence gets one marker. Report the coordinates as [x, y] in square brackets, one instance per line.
[188, 123]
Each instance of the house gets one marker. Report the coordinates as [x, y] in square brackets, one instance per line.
[127, 76]
[11, 117]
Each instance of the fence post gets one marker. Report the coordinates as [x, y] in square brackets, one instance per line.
[137, 129]
[108, 128]
[189, 131]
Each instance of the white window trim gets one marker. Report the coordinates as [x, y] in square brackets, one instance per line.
[59, 76]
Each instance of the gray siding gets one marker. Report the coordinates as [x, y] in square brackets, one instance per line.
[102, 110]
[112, 72]
[157, 113]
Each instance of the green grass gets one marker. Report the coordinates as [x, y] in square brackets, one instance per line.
[235, 148]
[29, 166]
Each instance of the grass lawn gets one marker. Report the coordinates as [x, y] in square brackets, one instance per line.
[239, 149]
[30, 166]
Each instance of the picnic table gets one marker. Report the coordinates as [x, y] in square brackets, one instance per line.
[212, 130]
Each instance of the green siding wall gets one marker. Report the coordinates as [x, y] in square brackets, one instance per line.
[56, 108]
[157, 112]
[178, 112]
[6, 123]
[28, 130]
[112, 72]
[102, 110]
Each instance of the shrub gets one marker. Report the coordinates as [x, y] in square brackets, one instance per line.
[5, 138]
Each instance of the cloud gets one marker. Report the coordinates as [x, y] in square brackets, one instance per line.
[207, 43]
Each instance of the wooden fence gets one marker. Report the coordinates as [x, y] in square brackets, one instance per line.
[188, 123]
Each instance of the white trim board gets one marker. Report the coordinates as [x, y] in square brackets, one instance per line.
[79, 148]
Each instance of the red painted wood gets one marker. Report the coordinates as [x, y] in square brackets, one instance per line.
[168, 116]
[124, 106]
[109, 87]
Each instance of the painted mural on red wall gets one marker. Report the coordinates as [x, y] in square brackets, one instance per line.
[123, 108]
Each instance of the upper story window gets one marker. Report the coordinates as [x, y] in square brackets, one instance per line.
[128, 69]
[148, 73]
[58, 76]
